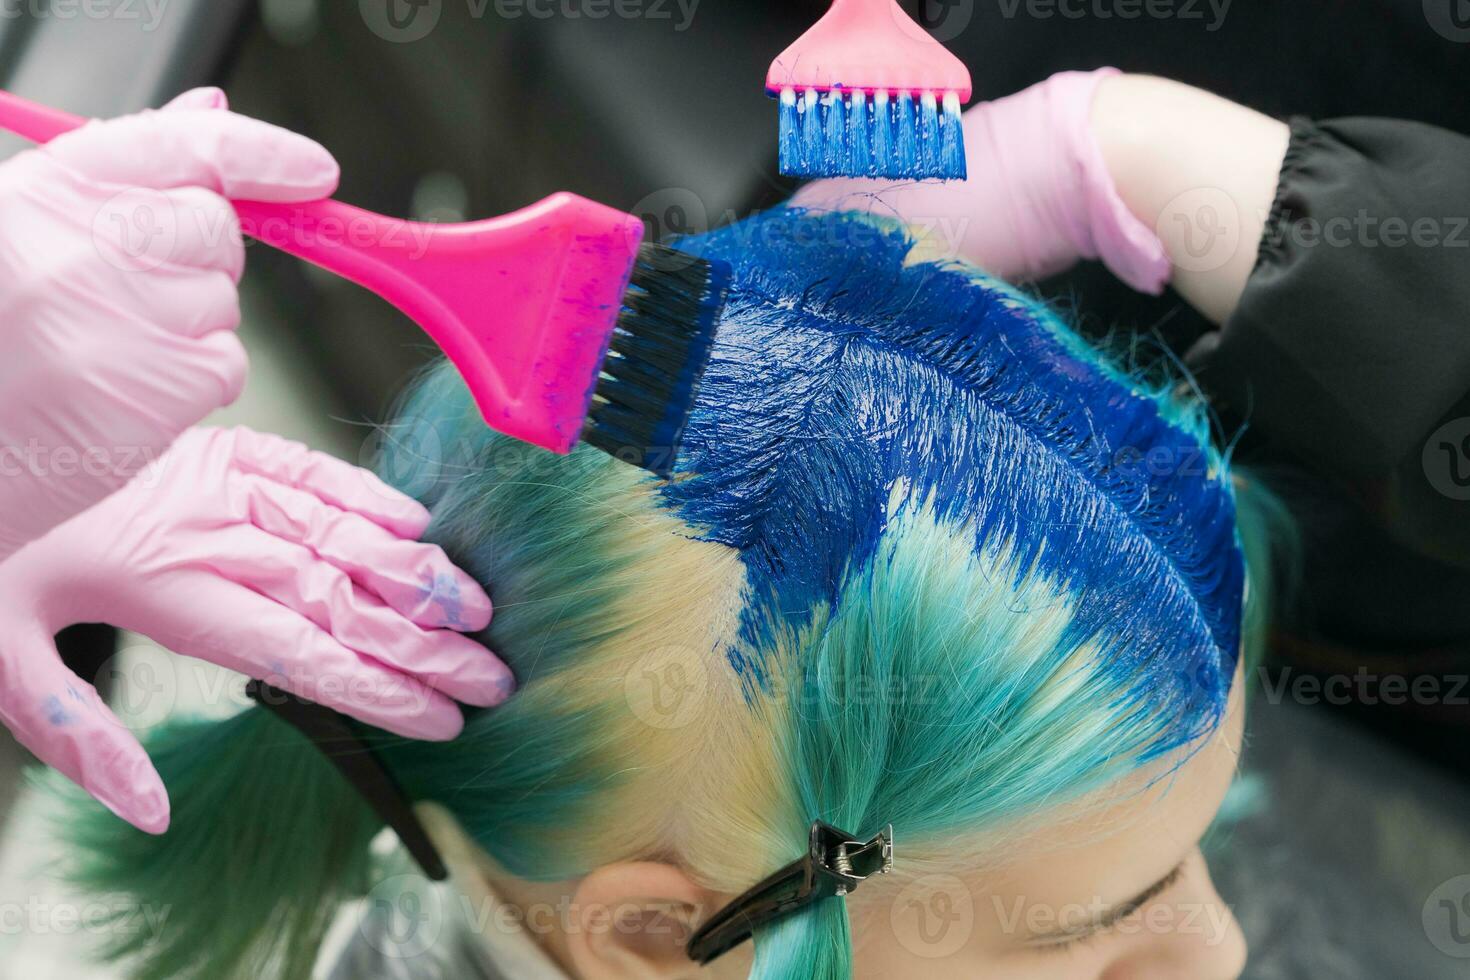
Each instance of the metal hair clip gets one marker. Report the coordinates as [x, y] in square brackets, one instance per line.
[334, 735]
[835, 863]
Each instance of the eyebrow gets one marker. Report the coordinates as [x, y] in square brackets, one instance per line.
[1113, 915]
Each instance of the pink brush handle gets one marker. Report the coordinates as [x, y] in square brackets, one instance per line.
[37, 123]
[294, 228]
[523, 304]
[870, 46]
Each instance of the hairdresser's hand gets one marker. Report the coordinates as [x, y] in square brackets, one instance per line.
[1039, 196]
[119, 255]
[257, 554]
[1167, 184]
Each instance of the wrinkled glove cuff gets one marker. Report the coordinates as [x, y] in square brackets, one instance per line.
[1103, 228]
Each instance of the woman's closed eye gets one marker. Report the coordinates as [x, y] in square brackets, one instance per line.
[1066, 939]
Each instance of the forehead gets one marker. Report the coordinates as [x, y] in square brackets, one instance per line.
[1070, 863]
[1128, 835]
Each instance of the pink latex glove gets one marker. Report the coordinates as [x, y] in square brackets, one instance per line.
[1038, 197]
[119, 256]
[259, 555]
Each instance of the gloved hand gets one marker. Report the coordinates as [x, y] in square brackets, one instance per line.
[119, 256]
[254, 553]
[1038, 197]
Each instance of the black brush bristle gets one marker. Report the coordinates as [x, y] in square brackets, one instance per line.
[656, 357]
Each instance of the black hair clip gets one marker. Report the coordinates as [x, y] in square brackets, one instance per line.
[335, 736]
[835, 863]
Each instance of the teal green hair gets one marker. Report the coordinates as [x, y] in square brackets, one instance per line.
[942, 503]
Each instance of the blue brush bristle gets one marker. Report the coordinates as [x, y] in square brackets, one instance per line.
[834, 146]
[929, 132]
[790, 127]
[812, 136]
[882, 133]
[859, 152]
[951, 137]
[906, 147]
[840, 134]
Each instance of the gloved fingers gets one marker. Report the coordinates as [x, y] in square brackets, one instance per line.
[203, 373]
[416, 579]
[334, 481]
[358, 618]
[231, 624]
[142, 232]
[62, 720]
[199, 231]
[204, 97]
[189, 303]
[233, 155]
[159, 382]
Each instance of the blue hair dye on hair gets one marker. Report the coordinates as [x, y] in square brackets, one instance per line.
[840, 372]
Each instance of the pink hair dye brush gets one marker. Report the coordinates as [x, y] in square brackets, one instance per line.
[564, 323]
[866, 92]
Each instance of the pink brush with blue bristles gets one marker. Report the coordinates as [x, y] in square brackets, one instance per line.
[565, 324]
[867, 93]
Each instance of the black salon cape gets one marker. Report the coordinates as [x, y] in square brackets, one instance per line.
[1348, 358]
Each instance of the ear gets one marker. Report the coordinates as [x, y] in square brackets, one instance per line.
[632, 920]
